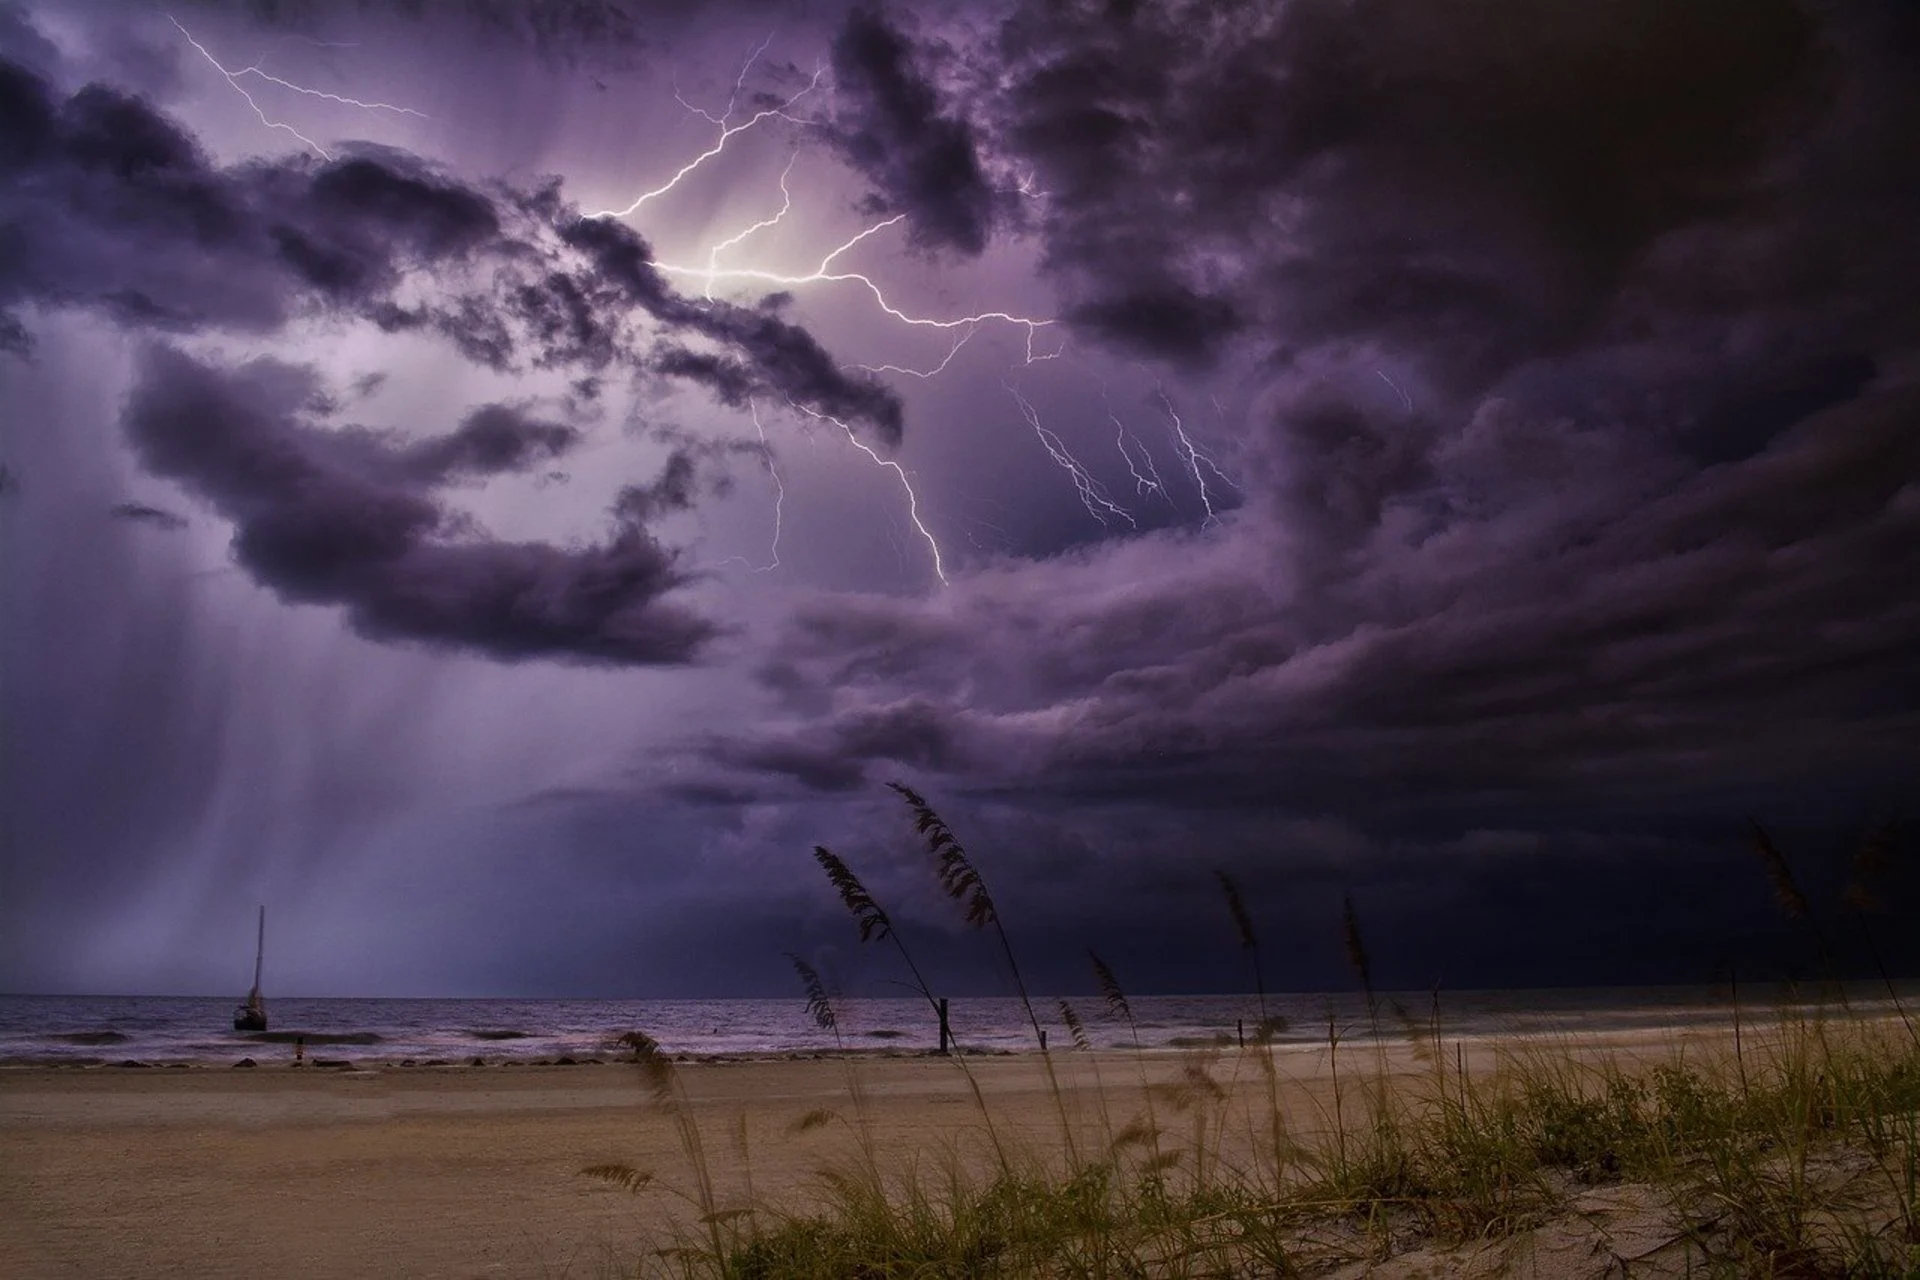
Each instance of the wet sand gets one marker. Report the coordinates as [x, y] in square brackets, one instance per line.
[475, 1171]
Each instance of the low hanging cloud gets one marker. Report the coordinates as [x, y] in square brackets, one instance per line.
[325, 516]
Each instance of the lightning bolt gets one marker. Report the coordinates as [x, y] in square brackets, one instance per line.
[824, 274]
[1143, 485]
[233, 78]
[730, 123]
[786, 205]
[913, 499]
[1093, 495]
[966, 334]
[739, 86]
[779, 490]
[1405, 399]
[1191, 455]
[728, 131]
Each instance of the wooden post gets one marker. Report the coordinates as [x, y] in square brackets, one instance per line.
[946, 1032]
[1240, 1029]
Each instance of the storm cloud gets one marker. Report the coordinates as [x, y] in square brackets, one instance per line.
[1469, 463]
[323, 518]
[890, 124]
[114, 207]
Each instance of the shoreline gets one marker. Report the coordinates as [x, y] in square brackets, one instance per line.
[97, 1032]
[333, 1049]
[458, 1171]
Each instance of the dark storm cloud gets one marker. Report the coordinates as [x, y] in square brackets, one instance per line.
[890, 127]
[1160, 319]
[1578, 459]
[1568, 357]
[778, 357]
[1574, 648]
[791, 363]
[494, 438]
[836, 754]
[672, 490]
[329, 517]
[141, 513]
[115, 207]
[1475, 190]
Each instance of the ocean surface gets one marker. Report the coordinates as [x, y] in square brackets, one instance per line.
[88, 1030]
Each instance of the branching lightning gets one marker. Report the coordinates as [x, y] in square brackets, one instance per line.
[965, 336]
[963, 327]
[786, 206]
[1191, 455]
[824, 274]
[1150, 483]
[913, 499]
[728, 131]
[739, 86]
[714, 271]
[1143, 485]
[1093, 495]
[233, 78]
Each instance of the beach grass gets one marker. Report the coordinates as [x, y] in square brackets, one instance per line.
[1789, 1149]
[1798, 1161]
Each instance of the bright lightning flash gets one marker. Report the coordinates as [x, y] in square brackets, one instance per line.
[824, 274]
[728, 130]
[786, 206]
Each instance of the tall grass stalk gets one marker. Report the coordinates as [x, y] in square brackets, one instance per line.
[1249, 941]
[962, 881]
[1119, 1006]
[876, 925]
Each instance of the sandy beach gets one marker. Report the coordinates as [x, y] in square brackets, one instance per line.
[475, 1171]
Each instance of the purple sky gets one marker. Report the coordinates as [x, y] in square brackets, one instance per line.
[500, 483]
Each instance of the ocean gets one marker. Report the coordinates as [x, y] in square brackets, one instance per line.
[195, 1030]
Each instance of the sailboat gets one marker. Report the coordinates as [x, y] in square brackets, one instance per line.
[252, 1016]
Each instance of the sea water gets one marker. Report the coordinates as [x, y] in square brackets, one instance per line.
[86, 1030]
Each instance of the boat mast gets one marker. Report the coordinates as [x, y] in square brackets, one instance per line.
[259, 951]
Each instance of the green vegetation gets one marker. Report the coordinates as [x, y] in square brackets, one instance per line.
[1791, 1151]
